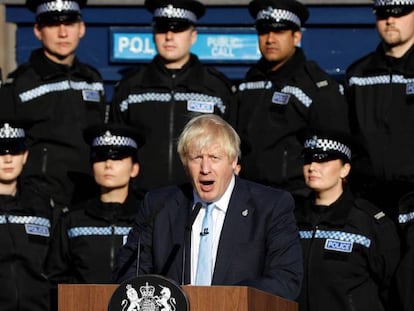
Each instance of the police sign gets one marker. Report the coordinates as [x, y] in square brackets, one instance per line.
[215, 45]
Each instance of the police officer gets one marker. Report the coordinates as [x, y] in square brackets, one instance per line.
[281, 96]
[88, 237]
[380, 91]
[350, 247]
[60, 96]
[25, 228]
[405, 271]
[161, 97]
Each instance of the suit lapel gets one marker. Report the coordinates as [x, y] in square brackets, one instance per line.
[178, 216]
[237, 219]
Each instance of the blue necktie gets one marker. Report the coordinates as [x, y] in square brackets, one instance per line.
[205, 258]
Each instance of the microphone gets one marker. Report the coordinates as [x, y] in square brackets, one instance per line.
[193, 216]
[204, 232]
[138, 254]
[187, 234]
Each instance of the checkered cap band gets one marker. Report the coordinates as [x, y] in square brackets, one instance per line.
[57, 6]
[7, 132]
[328, 145]
[113, 140]
[393, 2]
[278, 15]
[379, 3]
[172, 12]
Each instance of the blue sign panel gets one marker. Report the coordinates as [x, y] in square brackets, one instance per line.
[212, 45]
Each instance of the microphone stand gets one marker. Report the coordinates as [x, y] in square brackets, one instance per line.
[187, 235]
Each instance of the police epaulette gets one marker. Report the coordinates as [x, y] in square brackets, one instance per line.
[87, 67]
[319, 77]
[359, 61]
[17, 72]
[231, 86]
[371, 209]
[130, 73]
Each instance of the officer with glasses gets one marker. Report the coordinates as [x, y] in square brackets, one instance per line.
[380, 92]
[282, 96]
[25, 227]
[161, 97]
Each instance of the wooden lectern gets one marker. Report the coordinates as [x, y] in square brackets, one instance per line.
[94, 297]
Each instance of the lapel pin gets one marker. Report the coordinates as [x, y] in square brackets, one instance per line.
[245, 213]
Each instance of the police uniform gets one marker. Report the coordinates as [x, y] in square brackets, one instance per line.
[350, 248]
[60, 101]
[405, 271]
[88, 237]
[380, 91]
[25, 228]
[160, 101]
[276, 107]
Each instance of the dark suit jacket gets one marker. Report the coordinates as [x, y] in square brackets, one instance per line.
[260, 249]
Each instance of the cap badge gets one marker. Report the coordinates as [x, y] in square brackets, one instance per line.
[328, 145]
[10, 132]
[313, 142]
[169, 11]
[59, 5]
[6, 130]
[268, 12]
[107, 137]
[278, 15]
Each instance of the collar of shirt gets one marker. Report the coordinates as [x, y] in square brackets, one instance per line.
[219, 214]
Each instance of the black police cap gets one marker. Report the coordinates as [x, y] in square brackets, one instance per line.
[278, 14]
[326, 146]
[12, 137]
[395, 8]
[175, 15]
[113, 141]
[50, 12]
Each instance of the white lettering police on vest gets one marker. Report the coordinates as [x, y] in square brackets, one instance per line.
[199, 106]
[339, 246]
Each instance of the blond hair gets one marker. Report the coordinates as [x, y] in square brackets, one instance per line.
[205, 130]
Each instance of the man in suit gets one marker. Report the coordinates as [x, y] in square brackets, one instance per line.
[250, 237]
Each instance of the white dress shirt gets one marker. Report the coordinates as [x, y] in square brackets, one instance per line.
[219, 213]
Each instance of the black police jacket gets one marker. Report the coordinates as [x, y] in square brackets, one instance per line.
[160, 102]
[405, 271]
[380, 92]
[59, 102]
[25, 229]
[276, 108]
[87, 239]
[351, 251]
